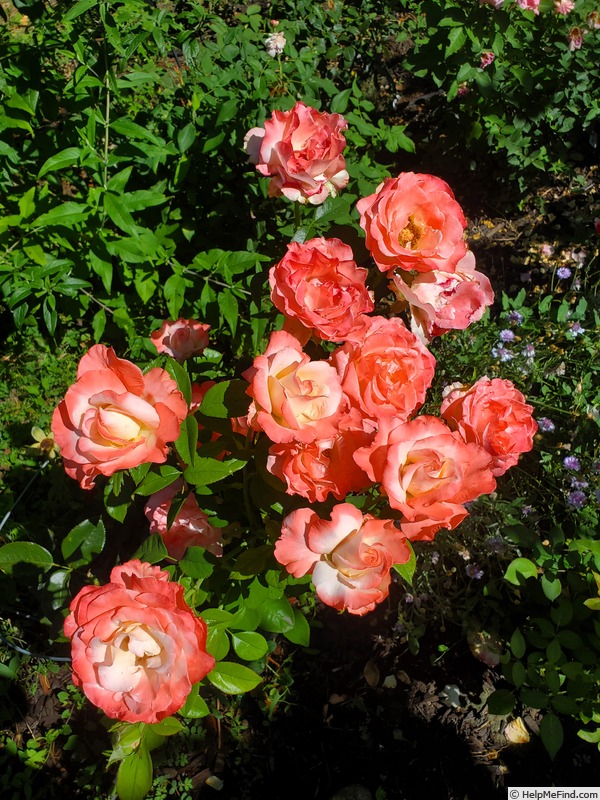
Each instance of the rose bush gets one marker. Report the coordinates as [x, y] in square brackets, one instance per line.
[349, 557]
[301, 151]
[181, 339]
[413, 222]
[294, 398]
[427, 472]
[388, 372]
[440, 301]
[114, 417]
[191, 526]
[137, 647]
[493, 413]
[318, 284]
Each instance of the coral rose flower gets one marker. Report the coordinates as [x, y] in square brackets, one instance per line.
[191, 526]
[137, 647]
[318, 284]
[494, 414]
[115, 417]
[413, 222]
[388, 372]
[301, 150]
[427, 472]
[181, 339]
[349, 557]
[294, 398]
[441, 301]
[323, 467]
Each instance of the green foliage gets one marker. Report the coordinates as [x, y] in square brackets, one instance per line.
[534, 103]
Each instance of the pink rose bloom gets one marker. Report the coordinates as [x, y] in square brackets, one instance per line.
[324, 467]
[137, 647]
[593, 20]
[388, 373]
[318, 284]
[441, 301]
[294, 398]
[349, 556]
[493, 413]
[563, 6]
[413, 222]
[301, 151]
[181, 339]
[575, 39]
[427, 472]
[529, 5]
[190, 528]
[115, 417]
[487, 58]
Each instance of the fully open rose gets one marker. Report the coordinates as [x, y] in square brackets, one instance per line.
[388, 372]
[181, 339]
[427, 472]
[301, 150]
[191, 526]
[115, 417]
[413, 222]
[349, 557]
[318, 284]
[294, 398]
[493, 413]
[136, 645]
[440, 301]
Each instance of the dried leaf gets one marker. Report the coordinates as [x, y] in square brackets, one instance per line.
[371, 673]
[516, 732]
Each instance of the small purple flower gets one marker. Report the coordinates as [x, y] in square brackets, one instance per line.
[474, 571]
[571, 462]
[408, 598]
[576, 499]
[506, 335]
[596, 466]
[563, 273]
[435, 557]
[546, 425]
[576, 329]
[514, 317]
[502, 353]
[528, 351]
[577, 484]
[527, 511]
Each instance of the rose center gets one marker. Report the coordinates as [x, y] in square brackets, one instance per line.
[409, 235]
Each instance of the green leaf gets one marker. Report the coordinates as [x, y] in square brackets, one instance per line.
[407, 570]
[520, 570]
[117, 212]
[217, 643]
[187, 442]
[154, 482]
[166, 727]
[233, 678]
[88, 536]
[552, 587]
[195, 706]
[134, 777]
[517, 644]
[186, 137]
[194, 563]
[277, 615]
[66, 158]
[209, 470]
[229, 308]
[174, 292]
[99, 324]
[249, 645]
[152, 550]
[551, 734]
[226, 399]
[66, 214]
[181, 377]
[118, 496]
[79, 8]
[300, 633]
[501, 702]
[339, 103]
[24, 553]
[456, 39]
